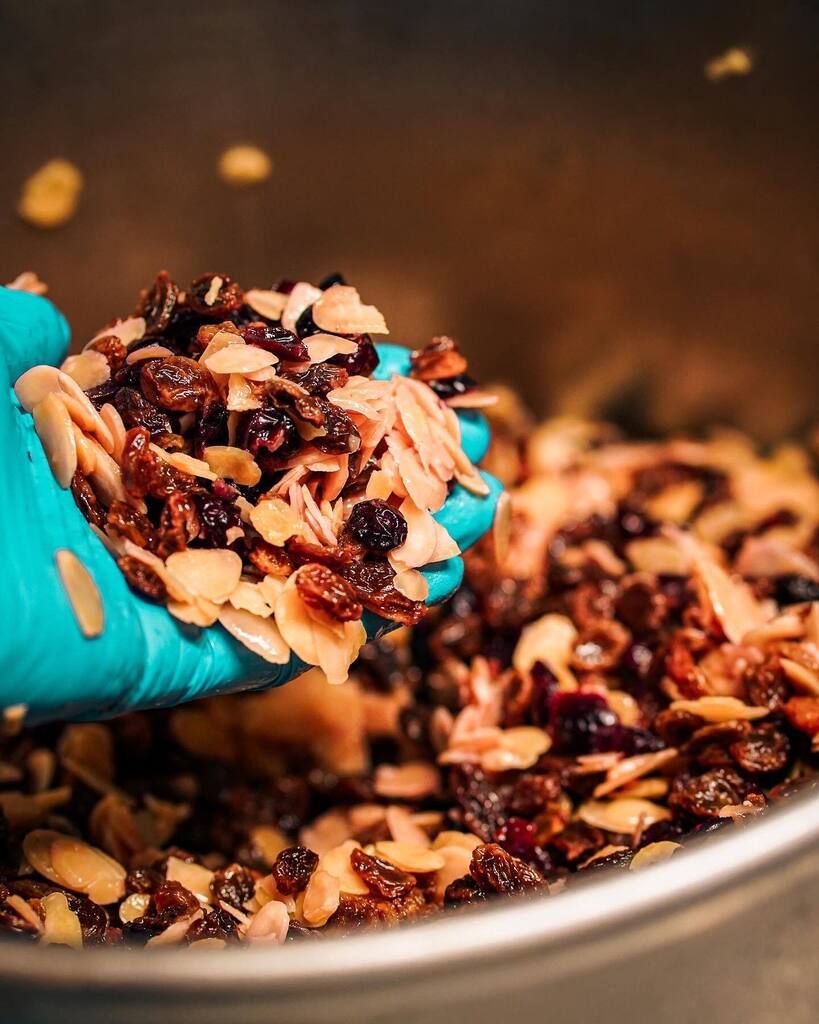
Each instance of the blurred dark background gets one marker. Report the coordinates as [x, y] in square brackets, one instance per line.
[557, 184]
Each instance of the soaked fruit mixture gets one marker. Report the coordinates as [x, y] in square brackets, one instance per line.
[234, 452]
[630, 668]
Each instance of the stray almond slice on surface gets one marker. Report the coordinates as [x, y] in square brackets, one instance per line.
[82, 593]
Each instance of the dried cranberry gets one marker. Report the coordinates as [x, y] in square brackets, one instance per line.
[216, 517]
[379, 527]
[497, 871]
[276, 339]
[795, 589]
[176, 383]
[157, 304]
[575, 718]
[383, 878]
[268, 431]
[293, 868]
[215, 295]
[360, 363]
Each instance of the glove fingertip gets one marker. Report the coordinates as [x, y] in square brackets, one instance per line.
[32, 331]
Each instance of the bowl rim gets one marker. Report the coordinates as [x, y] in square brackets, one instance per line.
[605, 910]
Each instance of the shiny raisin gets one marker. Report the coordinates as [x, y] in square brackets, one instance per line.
[495, 870]
[176, 383]
[130, 523]
[383, 878]
[215, 295]
[142, 579]
[86, 500]
[234, 885]
[293, 868]
[325, 591]
[136, 411]
[276, 339]
[378, 526]
[438, 360]
[157, 304]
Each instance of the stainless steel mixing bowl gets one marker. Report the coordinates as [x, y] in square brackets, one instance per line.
[558, 185]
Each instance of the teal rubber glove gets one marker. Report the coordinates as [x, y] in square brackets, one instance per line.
[144, 658]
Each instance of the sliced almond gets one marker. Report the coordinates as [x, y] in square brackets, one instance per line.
[466, 840]
[205, 572]
[260, 635]
[321, 347]
[417, 859]
[549, 639]
[336, 862]
[339, 310]
[239, 359]
[55, 430]
[269, 924]
[33, 386]
[268, 304]
[412, 781]
[411, 584]
[654, 853]
[321, 898]
[89, 369]
[720, 709]
[518, 749]
[631, 768]
[148, 352]
[275, 521]
[86, 453]
[194, 877]
[185, 463]
[82, 592]
[233, 464]
[624, 816]
[61, 926]
[251, 597]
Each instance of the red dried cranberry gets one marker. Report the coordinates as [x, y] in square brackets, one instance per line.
[157, 304]
[379, 527]
[276, 339]
[267, 431]
[575, 718]
[360, 363]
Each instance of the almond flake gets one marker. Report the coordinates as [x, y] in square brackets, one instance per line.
[411, 584]
[82, 592]
[268, 304]
[209, 573]
[336, 862]
[624, 816]
[321, 347]
[321, 898]
[275, 521]
[412, 781]
[239, 359]
[339, 310]
[269, 924]
[54, 428]
[251, 597]
[233, 464]
[417, 859]
[61, 926]
[260, 635]
[148, 352]
[89, 369]
[549, 639]
[720, 709]
[654, 853]
[194, 877]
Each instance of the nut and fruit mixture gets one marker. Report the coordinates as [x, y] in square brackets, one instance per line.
[635, 670]
[234, 452]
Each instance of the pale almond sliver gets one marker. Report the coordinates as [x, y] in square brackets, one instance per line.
[720, 709]
[275, 521]
[411, 584]
[268, 304]
[258, 634]
[82, 592]
[340, 310]
[410, 858]
[239, 359]
[321, 347]
[54, 428]
[233, 464]
[251, 597]
[209, 573]
[89, 369]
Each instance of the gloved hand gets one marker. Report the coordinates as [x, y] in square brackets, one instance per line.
[144, 658]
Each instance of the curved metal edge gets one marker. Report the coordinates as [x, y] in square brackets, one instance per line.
[756, 860]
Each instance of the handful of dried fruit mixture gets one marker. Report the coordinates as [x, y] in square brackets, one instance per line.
[237, 456]
[638, 671]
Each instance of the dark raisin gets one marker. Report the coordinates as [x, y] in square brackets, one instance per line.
[103, 394]
[544, 687]
[330, 280]
[270, 560]
[216, 924]
[112, 348]
[479, 805]
[145, 880]
[642, 606]
[675, 727]
[276, 339]
[705, 795]
[137, 527]
[575, 718]
[379, 527]
[322, 378]
[383, 878]
[144, 472]
[179, 523]
[176, 383]
[626, 739]
[325, 591]
[93, 918]
[293, 868]
[306, 325]
[87, 501]
[763, 749]
[137, 411]
[463, 891]
[497, 871]
[439, 360]
[531, 794]
[211, 426]
[268, 433]
[234, 885]
[452, 386]
[577, 842]
[215, 295]
[617, 859]
[794, 589]
[157, 304]
[216, 516]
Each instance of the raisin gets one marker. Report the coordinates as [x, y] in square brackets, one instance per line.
[383, 878]
[270, 560]
[452, 386]
[276, 339]
[169, 903]
[497, 871]
[293, 868]
[144, 472]
[234, 885]
[211, 426]
[803, 714]
[705, 795]
[438, 360]
[330, 279]
[575, 718]
[795, 589]
[675, 727]
[360, 363]
[626, 739]
[379, 527]
[216, 924]
[642, 606]
[600, 648]
[617, 859]
[322, 378]
[145, 880]
[216, 516]
[577, 842]
[214, 298]
[157, 304]
[142, 579]
[93, 918]
[137, 411]
[463, 891]
[480, 808]
[306, 325]
[137, 527]
[332, 429]
[325, 591]
[176, 383]
[387, 601]
[268, 432]
[86, 500]
[179, 523]
[763, 749]
[532, 794]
